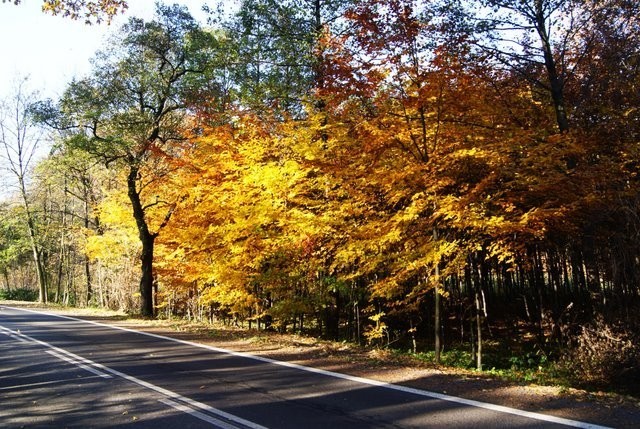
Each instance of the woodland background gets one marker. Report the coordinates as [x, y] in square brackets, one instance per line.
[426, 175]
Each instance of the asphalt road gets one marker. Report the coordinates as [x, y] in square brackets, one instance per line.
[59, 372]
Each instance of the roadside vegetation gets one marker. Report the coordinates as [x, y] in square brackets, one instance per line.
[423, 178]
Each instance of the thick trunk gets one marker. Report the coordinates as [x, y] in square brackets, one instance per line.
[87, 260]
[42, 282]
[5, 275]
[147, 240]
[146, 279]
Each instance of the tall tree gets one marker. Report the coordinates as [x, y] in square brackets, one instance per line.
[538, 40]
[21, 137]
[130, 112]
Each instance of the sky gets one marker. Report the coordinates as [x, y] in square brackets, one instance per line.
[51, 50]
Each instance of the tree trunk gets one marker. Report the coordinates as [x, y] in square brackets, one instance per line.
[42, 281]
[438, 339]
[5, 275]
[146, 279]
[87, 273]
[479, 332]
[556, 85]
[35, 249]
[336, 316]
[436, 323]
[87, 261]
[147, 239]
[60, 273]
[62, 257]
[477, 280]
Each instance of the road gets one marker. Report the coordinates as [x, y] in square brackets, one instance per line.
[57, 372]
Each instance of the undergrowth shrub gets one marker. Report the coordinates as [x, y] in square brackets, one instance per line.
[605, 356]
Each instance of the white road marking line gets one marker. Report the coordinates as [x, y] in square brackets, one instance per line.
[187, 410]
[166, 392]
[78, 364]
[360, 380]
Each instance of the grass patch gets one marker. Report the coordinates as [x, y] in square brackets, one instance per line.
[455, 358]
[528, 367]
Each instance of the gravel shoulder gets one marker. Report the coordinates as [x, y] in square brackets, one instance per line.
[598, 408]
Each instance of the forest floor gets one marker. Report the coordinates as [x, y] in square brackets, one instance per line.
[601, 408]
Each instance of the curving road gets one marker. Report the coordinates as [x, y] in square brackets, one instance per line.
[57, 372]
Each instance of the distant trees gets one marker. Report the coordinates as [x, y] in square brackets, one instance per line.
[276, 45]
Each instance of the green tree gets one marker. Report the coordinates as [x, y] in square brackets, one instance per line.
[277, 64]
[70, 182]
[130, 112]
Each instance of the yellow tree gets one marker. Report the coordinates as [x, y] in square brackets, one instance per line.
[257, 219]
[438, 148]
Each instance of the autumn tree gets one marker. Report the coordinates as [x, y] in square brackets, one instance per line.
[243, 239]
[387, 69]
[532, 38]
[431, 127]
